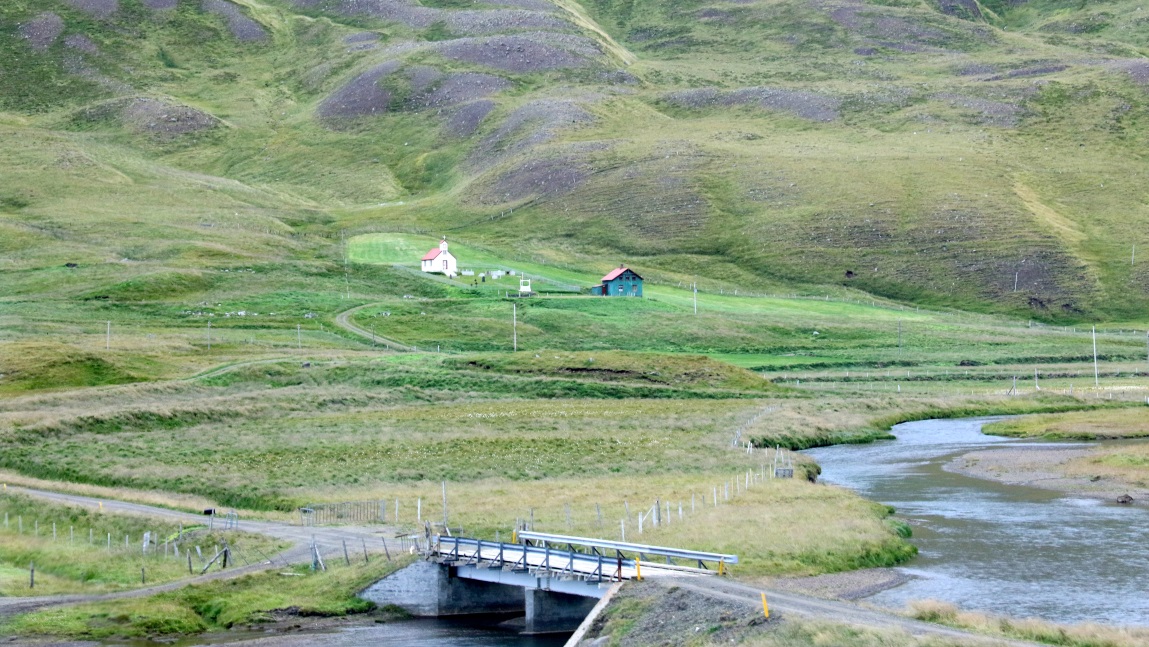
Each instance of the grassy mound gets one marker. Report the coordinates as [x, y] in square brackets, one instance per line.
[687, 371]
[37, 365]
[156, 286]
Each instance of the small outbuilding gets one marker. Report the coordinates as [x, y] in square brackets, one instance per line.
[621, 282]
[440, 261]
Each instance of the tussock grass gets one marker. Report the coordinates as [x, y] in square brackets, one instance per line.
[1042, 631]
[763, 525]
[1082, 425]
[73, 565]
[801, 632]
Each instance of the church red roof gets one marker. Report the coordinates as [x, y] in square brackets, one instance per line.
[431, 255]
[615, 273]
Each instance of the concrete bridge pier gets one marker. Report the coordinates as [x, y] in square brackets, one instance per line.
[551, 612]
[432, 590]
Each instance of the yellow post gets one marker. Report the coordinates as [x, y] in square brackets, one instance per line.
[101, 505]
[515, 536]
[765, 609]
[638, 570]
[721, 568]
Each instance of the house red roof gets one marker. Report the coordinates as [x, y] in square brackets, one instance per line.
[431, 255]
[615, 273]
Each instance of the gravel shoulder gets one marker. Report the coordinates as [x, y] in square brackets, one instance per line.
[851, 585]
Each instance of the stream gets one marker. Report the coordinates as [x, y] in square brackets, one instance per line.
[1006, 549]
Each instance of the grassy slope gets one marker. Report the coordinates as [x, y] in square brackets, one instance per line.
[909, 190]
[68, 563]
[251, 599]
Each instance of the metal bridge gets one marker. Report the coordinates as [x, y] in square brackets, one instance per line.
[559, 563]
[643, 551]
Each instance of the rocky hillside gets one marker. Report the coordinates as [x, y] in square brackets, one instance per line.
[988, 155]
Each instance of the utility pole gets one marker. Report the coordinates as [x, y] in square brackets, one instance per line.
[1015, 277]
[515, 325]
[298, 337]
[209, 335]
[108, 338]
[695, 284]
[899, 335]
[1096, 378]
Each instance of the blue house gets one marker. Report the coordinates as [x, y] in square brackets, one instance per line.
[621, 282]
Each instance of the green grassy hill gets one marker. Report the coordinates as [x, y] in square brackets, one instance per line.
[988, 156]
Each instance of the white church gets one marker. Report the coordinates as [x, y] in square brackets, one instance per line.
[440, 261]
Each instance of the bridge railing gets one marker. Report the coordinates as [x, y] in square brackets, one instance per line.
[525, 557]
[643, 551]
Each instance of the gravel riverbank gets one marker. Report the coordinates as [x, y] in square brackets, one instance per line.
[1062, 469]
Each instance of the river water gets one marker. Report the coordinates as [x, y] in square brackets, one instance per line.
[474, 632]
[1010, 550]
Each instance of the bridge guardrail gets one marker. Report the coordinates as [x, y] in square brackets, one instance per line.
[620, 546]
[525, 557]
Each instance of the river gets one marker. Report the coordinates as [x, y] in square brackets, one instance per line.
[472, 632]
[1009, 550]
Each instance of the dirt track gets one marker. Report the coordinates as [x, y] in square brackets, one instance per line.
[343, 320]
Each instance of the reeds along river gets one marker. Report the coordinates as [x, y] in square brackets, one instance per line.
[1008, 550]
